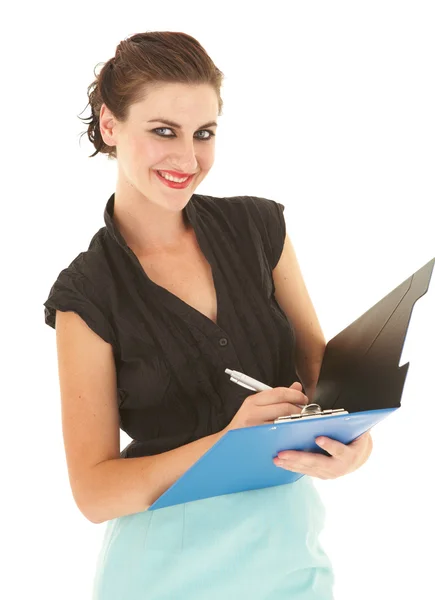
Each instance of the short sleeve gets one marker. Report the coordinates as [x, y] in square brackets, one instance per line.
[269, 218]
[73, 291]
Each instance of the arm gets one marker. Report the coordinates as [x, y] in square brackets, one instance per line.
[292, 295]
[123, 486]
[104, 485]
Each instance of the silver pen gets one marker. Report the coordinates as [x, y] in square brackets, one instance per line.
[247, 382]
[250, 383]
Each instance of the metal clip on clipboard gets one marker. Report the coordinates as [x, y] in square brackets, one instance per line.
[312, 411]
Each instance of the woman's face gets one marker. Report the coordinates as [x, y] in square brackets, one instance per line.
[143, 147]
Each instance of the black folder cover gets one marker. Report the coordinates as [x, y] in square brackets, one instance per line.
[360, 366]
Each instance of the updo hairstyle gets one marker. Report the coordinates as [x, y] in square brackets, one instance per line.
[144, 60]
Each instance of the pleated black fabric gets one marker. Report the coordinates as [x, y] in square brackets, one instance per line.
[170, 358]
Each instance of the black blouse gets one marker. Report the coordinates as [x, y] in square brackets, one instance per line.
[170, 358]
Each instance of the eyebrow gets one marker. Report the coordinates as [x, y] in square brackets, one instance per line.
[177, 126]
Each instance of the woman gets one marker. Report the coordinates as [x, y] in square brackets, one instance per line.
[174, 289]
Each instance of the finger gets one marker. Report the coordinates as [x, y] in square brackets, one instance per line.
[362, 448]
[308, 463]
[335, 448]
[279, 395]
[296, 384]
[292, 395]
[272, 411]
[361, 440]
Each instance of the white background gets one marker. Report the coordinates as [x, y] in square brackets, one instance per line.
[329, 109]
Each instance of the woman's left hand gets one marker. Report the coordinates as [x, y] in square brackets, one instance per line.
[344, 458]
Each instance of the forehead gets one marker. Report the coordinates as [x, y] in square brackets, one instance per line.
[177, 100]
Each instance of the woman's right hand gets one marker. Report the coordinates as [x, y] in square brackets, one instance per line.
[264, 407]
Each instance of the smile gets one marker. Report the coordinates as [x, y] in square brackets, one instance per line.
[174, 182]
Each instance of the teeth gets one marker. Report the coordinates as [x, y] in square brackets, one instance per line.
[170, 178]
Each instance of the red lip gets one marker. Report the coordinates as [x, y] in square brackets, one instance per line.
[173, 184]
[176, 173]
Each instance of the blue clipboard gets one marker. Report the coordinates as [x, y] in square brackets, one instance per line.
[242, 459]
[359, 374]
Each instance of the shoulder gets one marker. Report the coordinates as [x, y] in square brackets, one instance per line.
[256, 220]
[91, 263]
[247, 212]
[80, 284]
[254, 205]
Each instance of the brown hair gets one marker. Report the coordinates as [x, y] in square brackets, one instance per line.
[140, 60]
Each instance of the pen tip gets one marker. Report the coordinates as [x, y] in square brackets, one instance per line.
[229, 371]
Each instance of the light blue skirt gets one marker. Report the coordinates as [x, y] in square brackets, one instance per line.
[263, 544]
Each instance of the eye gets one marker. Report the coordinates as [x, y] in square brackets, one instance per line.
[206, 131]
[162, 129]
[210, 136]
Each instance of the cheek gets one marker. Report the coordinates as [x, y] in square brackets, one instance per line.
[147, 154]
[206, 158]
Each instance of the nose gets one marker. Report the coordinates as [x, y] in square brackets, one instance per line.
[185, 157]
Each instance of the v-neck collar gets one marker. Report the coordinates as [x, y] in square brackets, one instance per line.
[173, 302]
[189, 212]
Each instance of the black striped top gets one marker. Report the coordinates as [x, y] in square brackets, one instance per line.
[170, 358]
